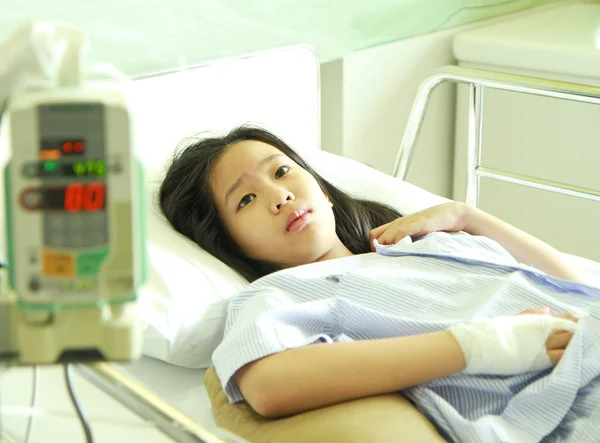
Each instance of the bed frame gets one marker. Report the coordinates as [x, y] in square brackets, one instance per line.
[180, 427]
[478, 80]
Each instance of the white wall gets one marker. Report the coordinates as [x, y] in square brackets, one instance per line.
[366, 99]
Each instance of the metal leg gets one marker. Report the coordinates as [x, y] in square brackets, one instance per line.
[474, 143]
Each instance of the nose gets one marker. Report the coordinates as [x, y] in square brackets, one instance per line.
[281, 197]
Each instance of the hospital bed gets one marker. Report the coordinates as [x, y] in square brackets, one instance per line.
[182, 387]
[183, 307]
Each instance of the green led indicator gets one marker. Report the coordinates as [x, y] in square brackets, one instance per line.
[90, 167]
[79, 168]
[50, 166]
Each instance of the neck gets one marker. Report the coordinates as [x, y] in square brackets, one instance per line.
[338, 251]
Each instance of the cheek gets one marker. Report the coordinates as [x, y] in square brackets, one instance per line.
[319, 196]
[248, 232]
[308, 186]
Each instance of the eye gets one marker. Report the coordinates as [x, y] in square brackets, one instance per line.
[246, 199]
[281, 171]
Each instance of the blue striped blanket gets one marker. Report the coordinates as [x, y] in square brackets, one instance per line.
[425, 286]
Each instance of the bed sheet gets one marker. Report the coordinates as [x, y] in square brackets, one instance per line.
[180, 387]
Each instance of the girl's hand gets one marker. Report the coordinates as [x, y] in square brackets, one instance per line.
[559, 339]
[508, 345]
[449, 217]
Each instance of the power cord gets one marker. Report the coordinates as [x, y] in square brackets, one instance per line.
[34, 392]
[84, 423]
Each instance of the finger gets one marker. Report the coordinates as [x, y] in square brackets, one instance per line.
[542, 311]
[555, 355]
[559, 340]
[403, 229]
[567, 316]
[391, 236]
[376, 232]
[418, 228]
[557, 324]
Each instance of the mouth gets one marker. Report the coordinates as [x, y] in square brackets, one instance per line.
[298, 219]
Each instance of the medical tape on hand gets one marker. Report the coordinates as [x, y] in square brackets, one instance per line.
[509, 345]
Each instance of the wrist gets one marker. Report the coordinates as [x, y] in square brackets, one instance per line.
[467, 217]
[455, 349]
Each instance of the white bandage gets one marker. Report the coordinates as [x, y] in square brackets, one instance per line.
[509, 345]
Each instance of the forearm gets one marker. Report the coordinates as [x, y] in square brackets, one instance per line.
[523, 247]
[322, 374]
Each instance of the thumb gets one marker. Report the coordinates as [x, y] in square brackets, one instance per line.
[563, 324]
[544, 310]
[376, 233]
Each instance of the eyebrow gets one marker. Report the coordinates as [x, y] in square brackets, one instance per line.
[238, 182]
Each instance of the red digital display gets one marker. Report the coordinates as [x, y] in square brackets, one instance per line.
[88, 198]
[76, 197]
[73, 147]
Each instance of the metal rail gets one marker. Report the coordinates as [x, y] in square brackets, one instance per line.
[478, 80]
[147, 405]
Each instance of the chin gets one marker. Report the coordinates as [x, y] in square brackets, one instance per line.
[309, 245]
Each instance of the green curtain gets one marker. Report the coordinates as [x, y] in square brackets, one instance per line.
[145, 35]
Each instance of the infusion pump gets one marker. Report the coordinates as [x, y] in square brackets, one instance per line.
[74, 210]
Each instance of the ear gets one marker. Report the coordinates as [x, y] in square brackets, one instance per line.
[328, 200]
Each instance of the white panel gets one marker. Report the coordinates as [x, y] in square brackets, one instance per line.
[562, 39]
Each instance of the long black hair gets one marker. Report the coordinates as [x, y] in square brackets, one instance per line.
[186, 200]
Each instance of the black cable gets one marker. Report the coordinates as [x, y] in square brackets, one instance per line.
[84, 423]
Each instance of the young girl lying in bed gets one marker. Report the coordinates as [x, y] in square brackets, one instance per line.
[359, 307]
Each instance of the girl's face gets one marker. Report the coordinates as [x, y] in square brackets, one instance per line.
[274, 210]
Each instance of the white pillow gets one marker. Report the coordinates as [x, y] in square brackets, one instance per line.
[365, 182]
[184, 301]
[183, 306]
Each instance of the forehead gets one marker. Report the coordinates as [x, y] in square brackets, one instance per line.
[244, 154]
[238, 158]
